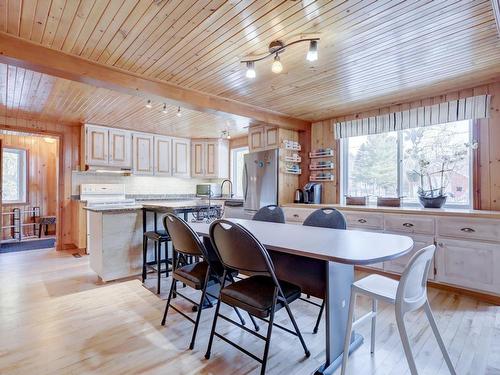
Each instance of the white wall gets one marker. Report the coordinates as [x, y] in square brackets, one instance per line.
[139, 184]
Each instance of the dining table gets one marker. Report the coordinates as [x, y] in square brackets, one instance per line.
[321, 261]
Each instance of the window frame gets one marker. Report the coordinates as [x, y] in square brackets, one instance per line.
[233, 166]
[23, 179]
[344, 170]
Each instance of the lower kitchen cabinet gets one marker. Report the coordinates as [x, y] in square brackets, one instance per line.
[398, 265]
[472, 264]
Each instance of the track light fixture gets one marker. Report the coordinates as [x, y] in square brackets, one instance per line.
[179, 113]
[225, 134]
[250, 69]
[148, 104]
[164, 108]
[276, 48]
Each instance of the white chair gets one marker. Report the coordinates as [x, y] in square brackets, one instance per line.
[409, 294]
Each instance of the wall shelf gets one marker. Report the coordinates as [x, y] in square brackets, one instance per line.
[322, 153]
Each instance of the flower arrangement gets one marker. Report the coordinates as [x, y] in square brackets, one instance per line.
[430, 165]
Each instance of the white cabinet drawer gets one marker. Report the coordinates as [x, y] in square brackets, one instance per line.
[409, 224]
[297, 215]
[368, 220]
[468, 228]
[469, 264]
[399, 264]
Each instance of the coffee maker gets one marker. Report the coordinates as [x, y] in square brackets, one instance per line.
[312, 193]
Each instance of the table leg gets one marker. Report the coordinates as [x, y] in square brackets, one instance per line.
[339, 278]
[185, 216]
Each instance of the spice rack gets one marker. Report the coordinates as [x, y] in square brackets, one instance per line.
[291, 159]
[322, 170]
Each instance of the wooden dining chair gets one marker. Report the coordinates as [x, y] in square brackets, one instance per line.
[271, 213]
[260, 294]
[409, 294]
[197, 275]
[324, 218]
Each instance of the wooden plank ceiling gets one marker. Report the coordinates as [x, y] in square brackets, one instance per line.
[371, 51]
[28, 94]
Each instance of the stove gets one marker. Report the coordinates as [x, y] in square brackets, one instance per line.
[105, 195]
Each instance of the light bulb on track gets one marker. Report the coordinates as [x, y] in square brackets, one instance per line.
[277, 67]
[312, 54]
[250, 69]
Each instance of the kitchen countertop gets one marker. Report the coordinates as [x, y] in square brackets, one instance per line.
[405, 210]
[165, 205]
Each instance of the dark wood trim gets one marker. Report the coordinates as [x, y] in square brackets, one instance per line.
[22, 53]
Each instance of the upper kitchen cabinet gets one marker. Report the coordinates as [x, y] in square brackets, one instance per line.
[142, 153]
[210, 158]
[163, 156]
[119, 148]
[107, 147]
[263, 138]
[181, 152]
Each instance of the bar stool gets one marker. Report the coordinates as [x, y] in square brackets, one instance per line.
[158, 237]
[261, 294]
[409, 294]
[198, 275]
[324, 218]
[271, 213]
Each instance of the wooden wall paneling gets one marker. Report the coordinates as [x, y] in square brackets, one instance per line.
[68, 160]
[305, 142]
[493, 140]
[287, 183]
[238, 142]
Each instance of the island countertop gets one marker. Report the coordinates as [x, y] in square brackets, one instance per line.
[160, 205]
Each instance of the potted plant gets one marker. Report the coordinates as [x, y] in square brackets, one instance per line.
[430, 166]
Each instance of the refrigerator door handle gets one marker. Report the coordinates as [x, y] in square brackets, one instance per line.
[245, 181]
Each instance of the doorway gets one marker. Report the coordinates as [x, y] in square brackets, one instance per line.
[29, 200]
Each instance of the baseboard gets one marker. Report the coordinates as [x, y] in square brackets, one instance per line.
[481, 296]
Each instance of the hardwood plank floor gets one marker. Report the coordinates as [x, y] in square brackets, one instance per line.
[55, 318]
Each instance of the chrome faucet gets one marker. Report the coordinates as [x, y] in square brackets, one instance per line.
[230, 187]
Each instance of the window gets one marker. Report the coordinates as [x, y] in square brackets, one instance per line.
[237, 163]
[14, 175]
[387, 164]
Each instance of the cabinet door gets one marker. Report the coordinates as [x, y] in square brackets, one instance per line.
[120, 146]
[142, 154]
[211, 160]
[163, 156]
[256, 138]
[198, 159]
[271, 137]
[96, 145]
[470, 264]
[181, 151]
[398, 265]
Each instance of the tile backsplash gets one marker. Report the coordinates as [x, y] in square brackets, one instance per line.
[139, 184]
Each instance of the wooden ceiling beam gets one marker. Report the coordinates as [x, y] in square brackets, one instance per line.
[25, 54]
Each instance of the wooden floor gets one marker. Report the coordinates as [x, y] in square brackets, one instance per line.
[56, 319]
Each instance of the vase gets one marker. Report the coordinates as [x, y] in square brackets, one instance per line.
[433, 202]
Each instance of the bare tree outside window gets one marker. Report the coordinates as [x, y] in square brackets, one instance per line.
[14, 175]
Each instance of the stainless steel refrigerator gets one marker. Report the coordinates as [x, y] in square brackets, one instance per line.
[260, 180]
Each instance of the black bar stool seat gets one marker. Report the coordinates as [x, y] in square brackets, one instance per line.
[256, 293]
[159, 235]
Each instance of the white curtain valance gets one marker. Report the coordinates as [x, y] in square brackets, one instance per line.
[471, 108]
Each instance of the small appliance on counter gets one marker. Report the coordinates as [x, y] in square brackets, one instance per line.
[312, 193]
[299, 196]
[208, 190]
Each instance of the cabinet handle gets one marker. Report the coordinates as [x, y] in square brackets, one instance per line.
[408, 225]
[362, 221]
[295, 215]
[467, 230]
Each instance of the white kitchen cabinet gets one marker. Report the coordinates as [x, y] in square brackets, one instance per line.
[119, 148]
[263, 138]
[162, 156]
[399, 264]
[471, 264]
[142, 153]
[181, 151]
[210, 158]
[96, 145]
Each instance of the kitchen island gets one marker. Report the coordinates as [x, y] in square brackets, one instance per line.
[114, 238]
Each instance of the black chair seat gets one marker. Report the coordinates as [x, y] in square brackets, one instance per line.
[255, 294]
[192, 274]
[159, 235]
